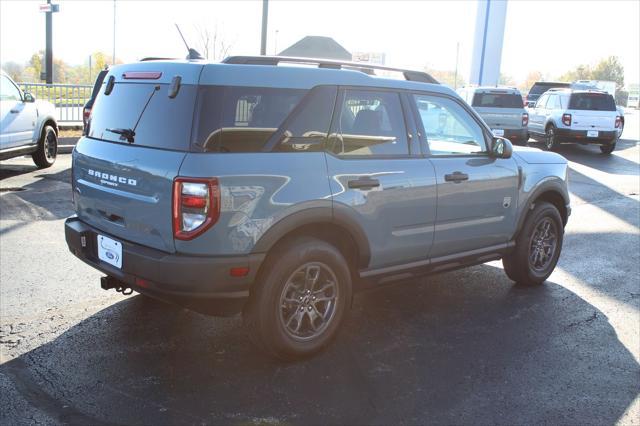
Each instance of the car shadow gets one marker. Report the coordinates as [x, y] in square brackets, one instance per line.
[10, 170]
[48, 198]
[590, 155]
[463, 347]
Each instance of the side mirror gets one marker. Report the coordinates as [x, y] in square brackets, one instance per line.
[28, 97]
[501, 148]
[531, 104]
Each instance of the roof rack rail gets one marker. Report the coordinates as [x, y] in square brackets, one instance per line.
[153, 58]
[364, 67]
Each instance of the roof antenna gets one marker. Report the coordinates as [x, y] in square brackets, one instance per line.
[193, 53]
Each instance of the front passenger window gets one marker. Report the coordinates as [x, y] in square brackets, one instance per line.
[448, 127]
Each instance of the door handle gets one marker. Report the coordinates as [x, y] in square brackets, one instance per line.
[456, 177]
[363, 183]
[14, 111]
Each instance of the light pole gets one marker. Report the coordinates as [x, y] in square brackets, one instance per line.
[263, 40]
[113, 58]
[455, 79]
[275, 47]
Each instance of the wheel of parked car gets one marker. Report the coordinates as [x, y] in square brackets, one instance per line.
[300, 299]
[538, 246]
[47, 151]
[607, 149]
[550, 139]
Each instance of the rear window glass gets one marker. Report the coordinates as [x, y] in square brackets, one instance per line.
[539, 88]
[166, 123]
[497, 100]
[592, 102]
[241, 119]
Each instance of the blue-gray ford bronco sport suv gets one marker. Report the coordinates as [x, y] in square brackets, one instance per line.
[278, 191]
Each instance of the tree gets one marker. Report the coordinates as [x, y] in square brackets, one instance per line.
[14, 70]
[532, 77]
[609, 69]
[211, 44]
[506, 80]
[581, 72]
[446, 77]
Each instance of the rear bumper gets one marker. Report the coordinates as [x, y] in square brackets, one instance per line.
[517, 135]
[580, 136]
[201, 283]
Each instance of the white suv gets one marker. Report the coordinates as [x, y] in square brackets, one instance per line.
[27, 126]
[582, 116]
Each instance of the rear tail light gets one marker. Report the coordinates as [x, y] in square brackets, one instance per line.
[86, 113]
[566, 119]
[618, 121]
[525, 119]
[196, 206]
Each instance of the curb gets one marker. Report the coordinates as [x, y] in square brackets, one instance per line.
[65, 145]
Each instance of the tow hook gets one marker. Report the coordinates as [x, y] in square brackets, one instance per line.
[109, 282]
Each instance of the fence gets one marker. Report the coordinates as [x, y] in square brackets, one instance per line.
[67, 98]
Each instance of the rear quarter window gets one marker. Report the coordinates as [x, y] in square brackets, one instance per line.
[592, 102]
[241, 119]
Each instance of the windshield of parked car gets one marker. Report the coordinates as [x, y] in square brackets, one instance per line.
[592, 102]
[497, 100]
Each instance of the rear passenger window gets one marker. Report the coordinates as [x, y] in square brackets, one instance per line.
[242, 119]
[369, 123]
[553, 102]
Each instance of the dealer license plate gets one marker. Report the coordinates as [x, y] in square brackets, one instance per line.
[592, 133]
[110, 251]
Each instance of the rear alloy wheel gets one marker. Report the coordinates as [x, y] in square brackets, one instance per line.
[47, 151]
[607, 149]
[538, 246]
[550, 139]
[300, 299]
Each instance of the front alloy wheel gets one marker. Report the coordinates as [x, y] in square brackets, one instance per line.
[542, 245]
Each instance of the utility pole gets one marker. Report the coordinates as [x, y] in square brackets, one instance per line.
[48, 9]
[455, 79]
[263, 40]
[113, 58]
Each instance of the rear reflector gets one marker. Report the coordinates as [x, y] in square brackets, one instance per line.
[239, 272]
[141, 75]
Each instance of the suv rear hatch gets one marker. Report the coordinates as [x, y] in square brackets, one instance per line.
[500, 110]
[125, 188]
[592, 111]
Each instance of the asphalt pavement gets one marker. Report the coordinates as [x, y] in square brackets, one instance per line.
[466, 347]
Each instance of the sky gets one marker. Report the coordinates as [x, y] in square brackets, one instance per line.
[547, 36]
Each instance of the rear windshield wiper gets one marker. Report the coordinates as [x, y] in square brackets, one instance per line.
[129, 134]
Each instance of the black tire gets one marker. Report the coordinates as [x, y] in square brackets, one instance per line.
[607, 149]
[276, 305]
[47, 151]
[519, 265]
[550, 141]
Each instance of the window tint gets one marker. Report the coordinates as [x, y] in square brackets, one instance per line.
[592, 102]
[242, 119]
[448, 127]
[497, 100]
[539, 88]
[8, 91]
[166, 123]
[370, 123]
[306, 129]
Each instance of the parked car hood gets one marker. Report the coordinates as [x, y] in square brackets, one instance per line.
[536, 156]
